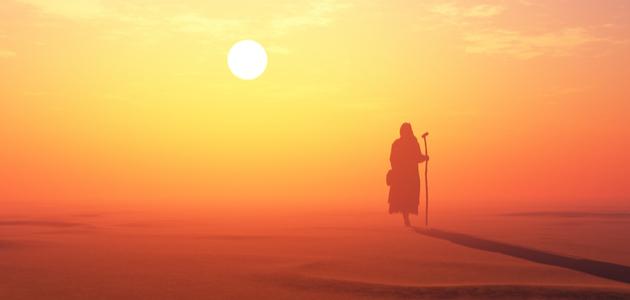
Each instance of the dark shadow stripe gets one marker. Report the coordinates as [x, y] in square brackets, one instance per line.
[570, 214]
[597, 268]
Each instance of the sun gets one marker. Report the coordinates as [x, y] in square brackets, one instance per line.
[247, 59]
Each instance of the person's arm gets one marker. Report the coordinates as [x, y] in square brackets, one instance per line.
[421, 157]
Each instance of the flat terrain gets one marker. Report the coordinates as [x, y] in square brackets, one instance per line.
[89, 255]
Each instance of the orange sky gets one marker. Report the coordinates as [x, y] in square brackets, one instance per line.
[130, 104]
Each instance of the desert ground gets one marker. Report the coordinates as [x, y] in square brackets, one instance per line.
[327, 255]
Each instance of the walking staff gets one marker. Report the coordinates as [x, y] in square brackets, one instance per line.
[426, 179]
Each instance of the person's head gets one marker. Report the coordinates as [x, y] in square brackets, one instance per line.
[406, 131]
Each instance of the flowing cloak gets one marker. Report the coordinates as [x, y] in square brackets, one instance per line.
[404, 190]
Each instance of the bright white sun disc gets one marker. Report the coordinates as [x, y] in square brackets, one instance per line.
[247, 59]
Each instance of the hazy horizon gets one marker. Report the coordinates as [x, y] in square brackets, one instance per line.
[122, 104]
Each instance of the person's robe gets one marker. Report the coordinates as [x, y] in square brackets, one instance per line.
[404, 190]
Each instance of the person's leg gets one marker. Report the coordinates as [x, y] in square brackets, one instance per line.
[406, 218]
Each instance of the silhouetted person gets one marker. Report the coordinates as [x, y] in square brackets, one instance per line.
[403, 178]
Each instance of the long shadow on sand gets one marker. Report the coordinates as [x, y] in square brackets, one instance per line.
[594, 267]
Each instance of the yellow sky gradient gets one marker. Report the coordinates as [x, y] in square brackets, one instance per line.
[131, 104]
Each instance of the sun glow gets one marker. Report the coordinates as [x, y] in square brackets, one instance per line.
[247, 60]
